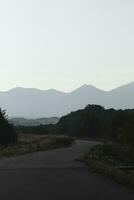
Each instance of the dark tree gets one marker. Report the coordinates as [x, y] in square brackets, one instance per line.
[8, 134]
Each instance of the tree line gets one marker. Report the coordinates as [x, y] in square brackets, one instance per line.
[95, 122]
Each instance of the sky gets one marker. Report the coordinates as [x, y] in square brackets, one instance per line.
[64, 44]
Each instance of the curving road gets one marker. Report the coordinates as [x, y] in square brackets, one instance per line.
[55, 175]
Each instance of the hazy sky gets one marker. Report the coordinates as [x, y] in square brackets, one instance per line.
[63, 44]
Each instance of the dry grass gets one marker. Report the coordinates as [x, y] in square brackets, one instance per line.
[34, 143]
[124, 177]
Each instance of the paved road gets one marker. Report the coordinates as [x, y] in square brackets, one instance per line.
[55, 175]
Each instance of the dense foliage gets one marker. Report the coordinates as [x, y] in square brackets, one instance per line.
[7, 132]
[39, 130]
[95, 122]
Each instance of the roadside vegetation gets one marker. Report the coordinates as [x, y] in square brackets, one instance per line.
[112, 160]
[33, 143]
[12, 143]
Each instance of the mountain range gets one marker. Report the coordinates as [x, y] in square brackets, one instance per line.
[35, 103]
[33, 122]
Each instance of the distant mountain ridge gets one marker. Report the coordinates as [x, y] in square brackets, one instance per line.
[33, 122]
[36, 103]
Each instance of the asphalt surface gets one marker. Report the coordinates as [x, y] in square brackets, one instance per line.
[55, 175]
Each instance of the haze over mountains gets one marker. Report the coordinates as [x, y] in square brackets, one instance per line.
[35, 103]
[33, 122]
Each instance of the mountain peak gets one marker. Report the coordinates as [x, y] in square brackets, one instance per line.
[22, 89]
[86, 88]
[16, 88]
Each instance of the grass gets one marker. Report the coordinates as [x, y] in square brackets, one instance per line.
[33, 143]
[124, 177]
